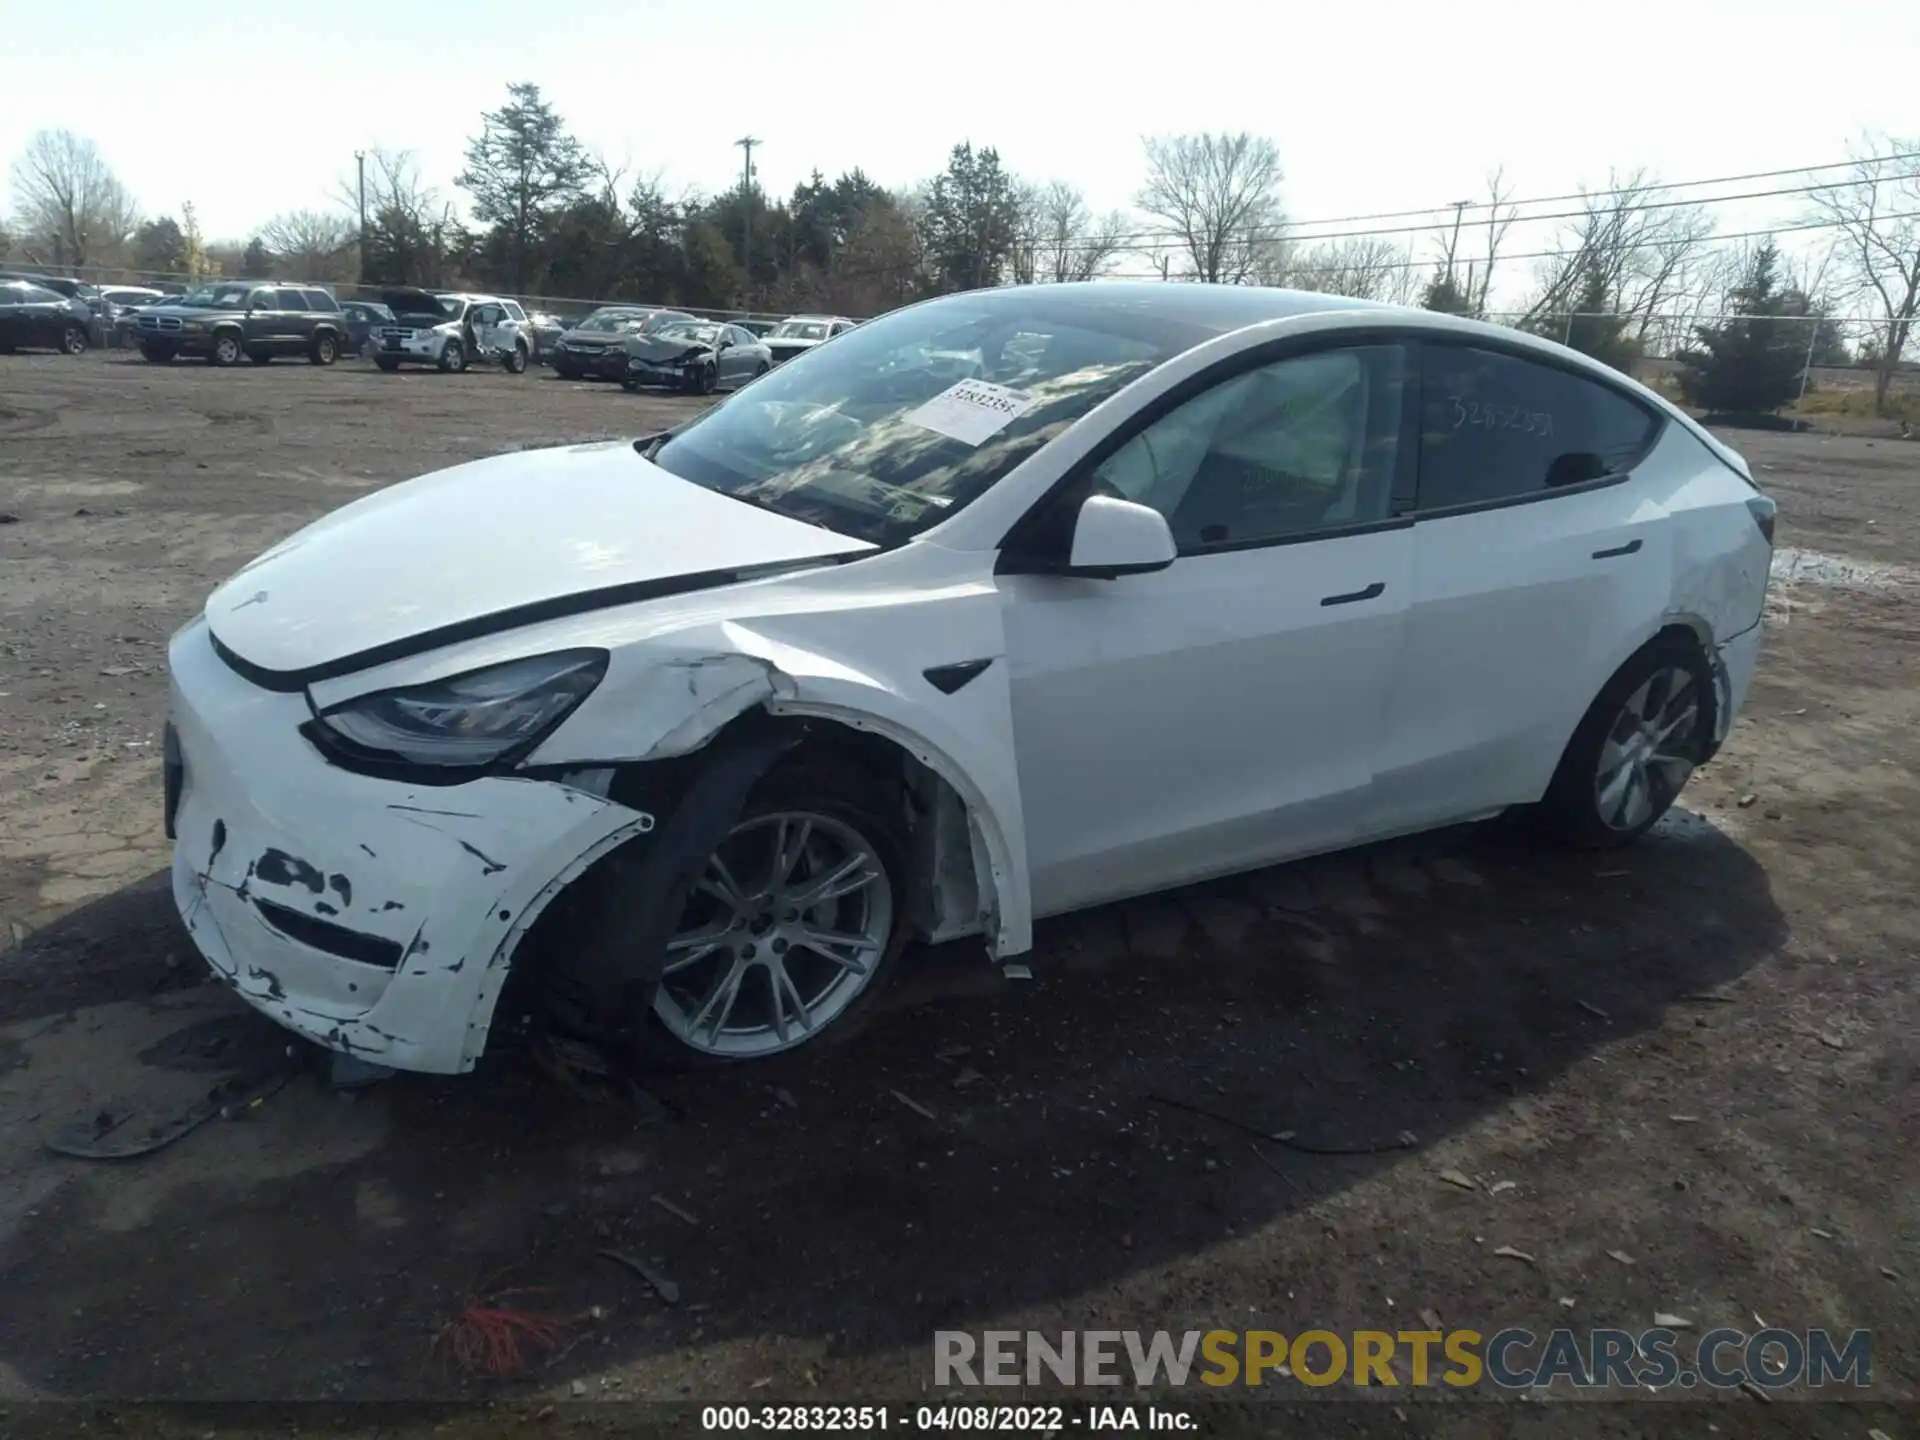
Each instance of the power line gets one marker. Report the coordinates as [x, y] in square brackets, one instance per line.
[1622, 190]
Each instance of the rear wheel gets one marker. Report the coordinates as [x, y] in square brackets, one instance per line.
[1635, 749]
[517, 360]
[73, 340]
[226, 350]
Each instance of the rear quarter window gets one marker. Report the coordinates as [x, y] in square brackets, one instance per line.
[320, 300]
[1496, 426]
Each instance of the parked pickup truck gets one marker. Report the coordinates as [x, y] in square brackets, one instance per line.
[229, 320]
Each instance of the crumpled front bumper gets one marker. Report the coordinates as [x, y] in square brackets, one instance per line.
[373, 916]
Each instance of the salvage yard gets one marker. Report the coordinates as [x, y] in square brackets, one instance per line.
[1520, 1087]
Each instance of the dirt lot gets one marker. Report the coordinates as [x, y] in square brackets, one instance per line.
[1702, 1054]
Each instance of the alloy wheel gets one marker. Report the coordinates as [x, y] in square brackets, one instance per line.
[785, 928]
[1648, 753]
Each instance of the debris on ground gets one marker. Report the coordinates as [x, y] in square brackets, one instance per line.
[966, 1078]
[672, 1209]
[1593, 1010]
[1671, 1322]
[492, 1339]
[1430, 1318]
[121, 1130]
[1500, 1187]
[1746, 801]
[1454, 1177]
[913, 1104]
[1512, 1254]
[1621, 1256]
[665, 1288]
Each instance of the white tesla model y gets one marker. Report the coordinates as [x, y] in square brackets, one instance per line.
[1001, 605]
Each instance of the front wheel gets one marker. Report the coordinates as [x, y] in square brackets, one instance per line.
[325, 350]
[453, 358]
[1635, 749]
[227, 349]
[156, 354]
[73, 340]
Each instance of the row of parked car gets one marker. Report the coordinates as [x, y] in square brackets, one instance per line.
[225, 322]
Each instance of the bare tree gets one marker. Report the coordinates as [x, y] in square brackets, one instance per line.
[311, 244]
[1072, 243]
[1366, 267]
[1219, 195]
[1877, 213]
[1637, 251]
[69, 205]
[1500, 215]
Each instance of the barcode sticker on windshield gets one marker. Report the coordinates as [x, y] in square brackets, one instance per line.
[972, 411]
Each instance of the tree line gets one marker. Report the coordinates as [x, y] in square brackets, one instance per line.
[1635, 267]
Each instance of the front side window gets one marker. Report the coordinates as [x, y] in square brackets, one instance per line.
[1304, 445]
[1495, 427]
[916, 414]
[219, 297]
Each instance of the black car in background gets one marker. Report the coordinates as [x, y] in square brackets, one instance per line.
[362, 318]
[34, 317]
[99, 317]
[697, 356]
[593, 348]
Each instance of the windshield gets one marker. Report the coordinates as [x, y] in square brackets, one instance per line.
[219, 297]
[800, 330]
[912, 416]
[608, 321]
[696, 330]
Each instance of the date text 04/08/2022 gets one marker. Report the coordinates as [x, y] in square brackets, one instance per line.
[1035, 1419]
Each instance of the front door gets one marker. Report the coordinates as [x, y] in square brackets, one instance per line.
[1222, 713]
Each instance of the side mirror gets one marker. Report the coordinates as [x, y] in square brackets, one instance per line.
[1114, 537]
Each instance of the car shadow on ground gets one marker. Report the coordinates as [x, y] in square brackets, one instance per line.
[983, 1145]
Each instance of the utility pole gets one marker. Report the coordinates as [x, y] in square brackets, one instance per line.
[1453, 245]
[746, 143]
[360, 159]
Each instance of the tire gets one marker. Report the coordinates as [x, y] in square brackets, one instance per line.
[840, 801]
[453, 357]
[386, 363]
[1635, 748]
[226, 350]
[517, 361]
[73, 341]
[157, 354]
[326, 350]
[566, 372]
[260, 357]
[709, 380]
[632, 387]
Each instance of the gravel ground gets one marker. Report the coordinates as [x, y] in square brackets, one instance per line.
[1700, 1054]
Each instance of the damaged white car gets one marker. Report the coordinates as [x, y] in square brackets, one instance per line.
[1139, 585]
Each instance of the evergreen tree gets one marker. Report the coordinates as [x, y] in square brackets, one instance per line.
[257, 262]
[1444, 295]
[523, 170]
[1750, 363]
[1591, 327]
[971, 218]
[160, 247]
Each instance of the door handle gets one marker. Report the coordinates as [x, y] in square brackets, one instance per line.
[1632, 547]
[1372, 592]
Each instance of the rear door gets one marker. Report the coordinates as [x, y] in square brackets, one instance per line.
[1538, 565]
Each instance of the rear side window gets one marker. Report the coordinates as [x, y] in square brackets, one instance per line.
[320, 300]
[1497, 427]
[288, 300]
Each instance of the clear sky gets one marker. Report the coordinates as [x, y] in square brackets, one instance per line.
[1375, 105]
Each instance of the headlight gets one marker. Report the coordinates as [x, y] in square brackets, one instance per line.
[472, 719]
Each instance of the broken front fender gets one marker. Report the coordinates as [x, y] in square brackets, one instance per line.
[375, 917]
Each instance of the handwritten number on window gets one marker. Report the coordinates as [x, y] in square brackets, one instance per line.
[1475, 413]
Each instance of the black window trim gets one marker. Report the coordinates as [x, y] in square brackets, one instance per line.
[1018, 556]
[1498, 346]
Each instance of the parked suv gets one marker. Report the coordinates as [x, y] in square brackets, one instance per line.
[451, 331]
[235, 318]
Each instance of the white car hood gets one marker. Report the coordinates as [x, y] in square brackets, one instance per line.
[488, 546]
